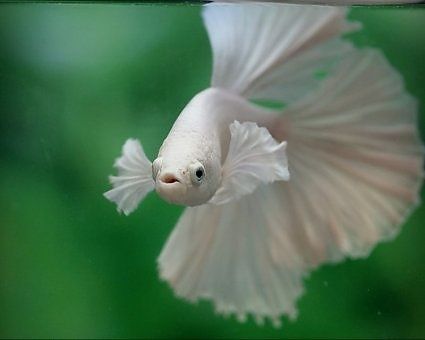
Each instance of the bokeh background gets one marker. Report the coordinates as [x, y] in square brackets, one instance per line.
[75, 82]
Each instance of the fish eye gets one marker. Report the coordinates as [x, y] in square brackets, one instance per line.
[156, 166]
[197, 173]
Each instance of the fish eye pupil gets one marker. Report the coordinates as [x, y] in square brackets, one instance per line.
[199, 173]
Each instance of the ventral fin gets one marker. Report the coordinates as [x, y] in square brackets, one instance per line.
[254, 158]
[134, 180]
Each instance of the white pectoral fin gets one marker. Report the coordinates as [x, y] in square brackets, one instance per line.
[134, 180]
[254, 158]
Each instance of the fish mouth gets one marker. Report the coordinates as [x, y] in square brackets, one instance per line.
[168, 179]
[171, 188]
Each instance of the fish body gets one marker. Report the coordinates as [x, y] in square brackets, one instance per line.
[201, 134]
[273, 193]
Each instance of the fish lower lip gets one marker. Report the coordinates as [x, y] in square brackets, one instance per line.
[171, 192]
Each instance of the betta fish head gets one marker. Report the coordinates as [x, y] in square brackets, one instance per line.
[186, 172]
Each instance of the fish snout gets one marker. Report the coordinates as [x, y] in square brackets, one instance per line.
[171, 187]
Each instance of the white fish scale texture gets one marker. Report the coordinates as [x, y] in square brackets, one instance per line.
[265, 51]
[355, 160]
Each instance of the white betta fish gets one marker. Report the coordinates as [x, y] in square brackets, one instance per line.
[273, 193]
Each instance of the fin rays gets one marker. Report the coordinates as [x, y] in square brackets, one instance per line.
[134, 180]
[257, 58]
[354, 179]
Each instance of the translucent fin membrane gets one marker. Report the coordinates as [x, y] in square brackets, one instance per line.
[273, 51]
[356, 167]
[134, 180]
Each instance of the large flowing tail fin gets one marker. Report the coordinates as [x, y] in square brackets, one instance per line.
[356, 165]
[355, 155]
[269, 51]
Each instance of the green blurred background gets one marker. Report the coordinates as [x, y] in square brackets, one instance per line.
[75, 82]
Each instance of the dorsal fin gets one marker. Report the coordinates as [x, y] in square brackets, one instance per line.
[277, 53]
